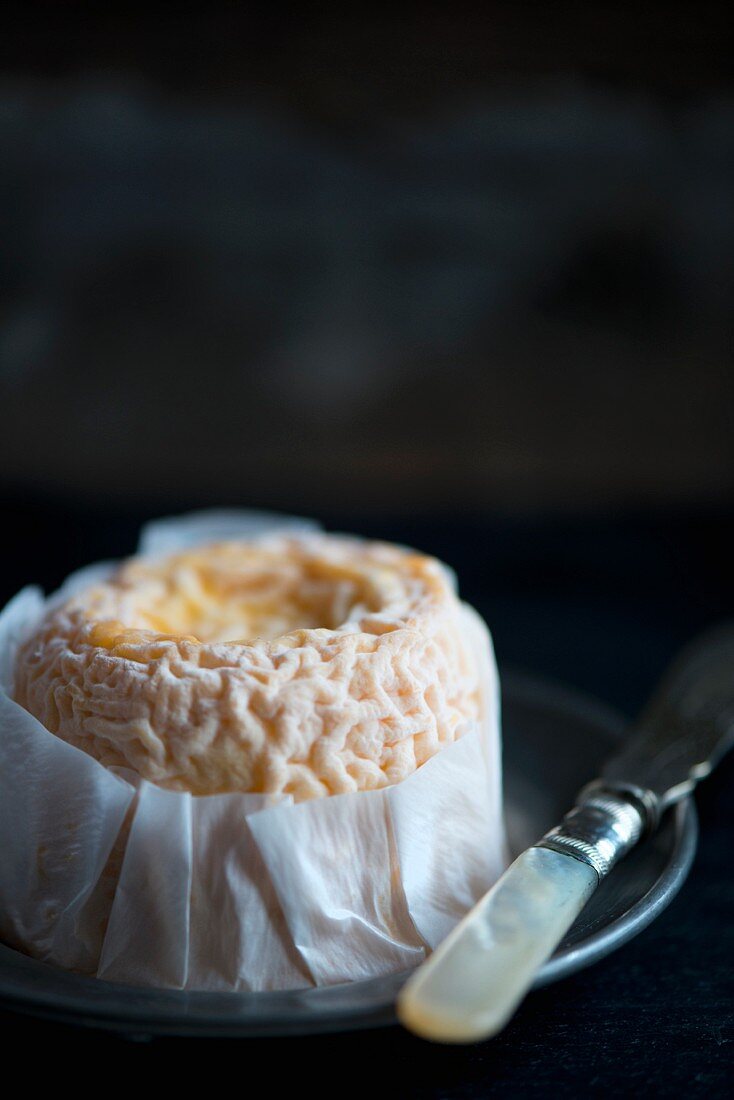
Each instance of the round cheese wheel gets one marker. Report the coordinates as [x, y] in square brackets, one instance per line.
[307, 665]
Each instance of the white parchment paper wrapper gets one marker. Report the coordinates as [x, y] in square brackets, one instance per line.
[107, 874]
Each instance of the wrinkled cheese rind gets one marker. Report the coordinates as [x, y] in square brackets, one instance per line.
[305, 665]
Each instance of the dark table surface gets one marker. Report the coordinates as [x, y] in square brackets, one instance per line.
[601, 604]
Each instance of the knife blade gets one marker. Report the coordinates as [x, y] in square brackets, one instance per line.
[470, 986]
[686, 727]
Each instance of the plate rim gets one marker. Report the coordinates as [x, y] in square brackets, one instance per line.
[643, 912]
[77, 1005]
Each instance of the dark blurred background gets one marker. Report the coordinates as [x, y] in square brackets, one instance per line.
[365, 262]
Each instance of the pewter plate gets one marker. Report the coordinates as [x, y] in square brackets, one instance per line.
[554, 741]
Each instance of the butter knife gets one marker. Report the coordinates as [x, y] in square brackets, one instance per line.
[470, 986]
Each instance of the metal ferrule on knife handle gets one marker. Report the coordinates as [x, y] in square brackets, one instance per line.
[601, 829]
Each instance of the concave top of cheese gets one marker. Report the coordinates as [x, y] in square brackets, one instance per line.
[305, 665]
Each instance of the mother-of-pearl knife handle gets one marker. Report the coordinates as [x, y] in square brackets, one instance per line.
[471, 985]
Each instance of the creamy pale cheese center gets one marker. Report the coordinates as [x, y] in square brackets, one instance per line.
[244, 594]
